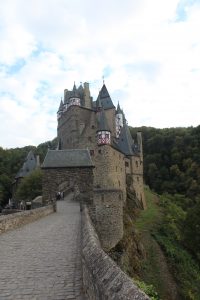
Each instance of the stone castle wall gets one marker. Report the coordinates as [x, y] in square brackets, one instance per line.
[12, 221]
[137, 177]
[109, 172]
[108, 216]
[77, 128]
[102, 278]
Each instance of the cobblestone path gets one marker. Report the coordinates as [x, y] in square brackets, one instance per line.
[41, 260]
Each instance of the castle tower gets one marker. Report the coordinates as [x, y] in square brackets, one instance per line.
[87, 97]
[103, 131]
[109, 109]
[74, 99]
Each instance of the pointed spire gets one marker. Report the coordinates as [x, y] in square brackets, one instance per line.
[61, 105]
[105, 98]
[74, 87]
[119, 110]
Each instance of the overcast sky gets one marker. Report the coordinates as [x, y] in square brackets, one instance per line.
[148, 52]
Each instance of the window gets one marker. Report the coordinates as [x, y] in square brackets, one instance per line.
[93, 126]
[136, 163]
[92, 152]
[99, 151]
[126, 164]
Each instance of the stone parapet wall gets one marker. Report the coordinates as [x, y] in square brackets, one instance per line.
[8, 222]
[102, 278]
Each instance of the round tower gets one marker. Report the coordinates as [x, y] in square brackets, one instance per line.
[103, 131]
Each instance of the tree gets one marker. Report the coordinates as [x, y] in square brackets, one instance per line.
[30, 186]
[192, 230]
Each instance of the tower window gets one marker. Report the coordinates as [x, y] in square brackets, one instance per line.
[126, 164]
[92, 152]
[136, 163]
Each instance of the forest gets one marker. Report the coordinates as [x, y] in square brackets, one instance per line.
[172, 171]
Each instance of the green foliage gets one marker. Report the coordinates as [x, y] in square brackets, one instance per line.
[30, 186]
[148, 289]
[178, 227]
[172, 159]
[191, 231]
[11, 160]
[148, 216]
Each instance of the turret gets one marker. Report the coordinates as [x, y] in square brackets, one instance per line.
[118, 120]
[74, 98]
[87, 97]
[103, 131]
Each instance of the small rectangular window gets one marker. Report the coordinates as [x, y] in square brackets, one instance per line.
[126, 164]
[92, 152]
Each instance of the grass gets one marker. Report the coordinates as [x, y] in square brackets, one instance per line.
[149, 217]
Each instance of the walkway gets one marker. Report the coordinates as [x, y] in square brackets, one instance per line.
[41, 260]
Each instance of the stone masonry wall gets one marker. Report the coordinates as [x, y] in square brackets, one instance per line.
[102, 278]
[137, 176]
[108, 216]
[12, 221]
[54, 177]
[109, 172]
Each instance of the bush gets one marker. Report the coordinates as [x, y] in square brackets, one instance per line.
[30, 186]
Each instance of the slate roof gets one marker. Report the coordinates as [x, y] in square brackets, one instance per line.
[28, 166]
[61, 106]
[105, 98]
[102, 121]
[67, 158]
[125, 143]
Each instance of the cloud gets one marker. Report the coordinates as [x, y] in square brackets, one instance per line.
[148, 52]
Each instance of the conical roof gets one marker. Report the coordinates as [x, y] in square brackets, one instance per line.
[28, 166]
[102, 121]
[75, 93]
[105, 98]
[125, 143]
[119, 110]
[61, 106]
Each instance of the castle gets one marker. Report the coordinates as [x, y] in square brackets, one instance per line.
[102, 128]
[97, 157]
